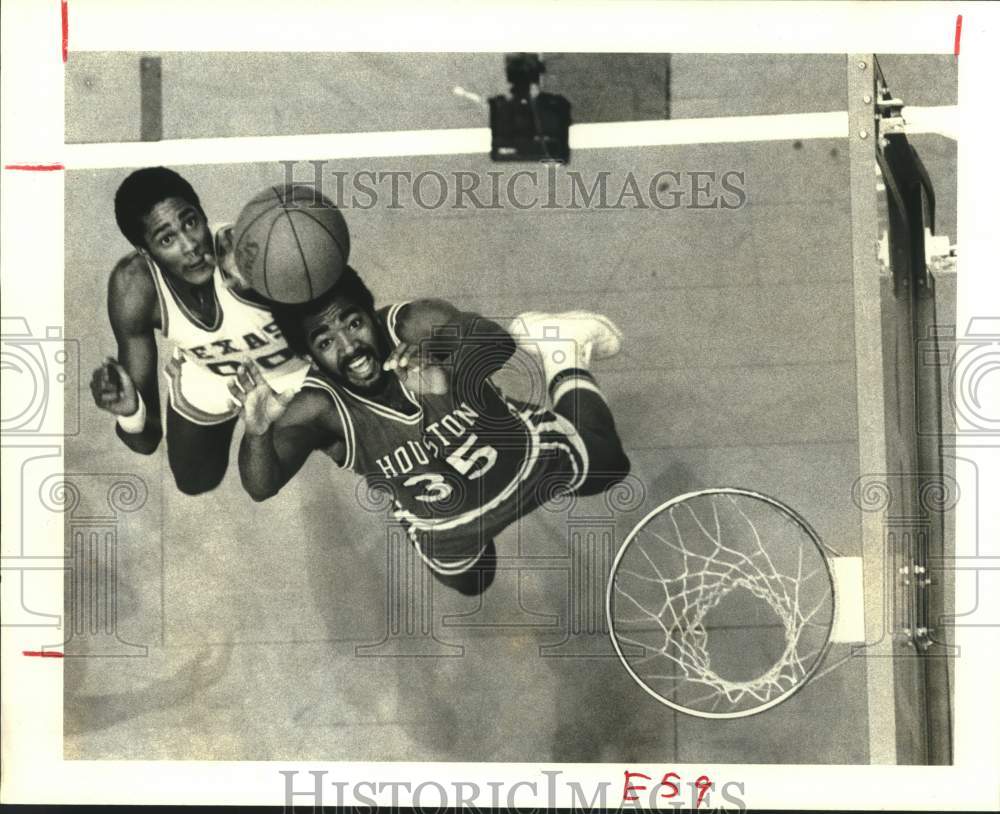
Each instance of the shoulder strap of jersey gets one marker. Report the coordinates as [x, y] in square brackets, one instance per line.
[162, 296]
[317, 381]
[391, 316]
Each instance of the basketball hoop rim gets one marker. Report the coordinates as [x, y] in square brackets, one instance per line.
[723, 490]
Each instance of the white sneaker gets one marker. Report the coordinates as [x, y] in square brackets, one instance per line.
[569, 339]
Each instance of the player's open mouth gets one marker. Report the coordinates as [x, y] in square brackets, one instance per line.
[363, 367]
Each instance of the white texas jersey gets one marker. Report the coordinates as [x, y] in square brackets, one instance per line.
[206, 356]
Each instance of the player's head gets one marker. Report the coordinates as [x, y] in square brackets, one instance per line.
[160, 214]
[340, 332]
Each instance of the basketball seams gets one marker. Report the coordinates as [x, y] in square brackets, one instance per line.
[258, 216]
[312, 247]
[254, 220]
[271, 206]
[267, 245]
[323, 226]
[298, 245]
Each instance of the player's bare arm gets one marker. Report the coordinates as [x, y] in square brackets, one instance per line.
[432, 330]
[281, 431]
[118, 384]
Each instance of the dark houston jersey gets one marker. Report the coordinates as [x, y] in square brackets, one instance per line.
[457, 465]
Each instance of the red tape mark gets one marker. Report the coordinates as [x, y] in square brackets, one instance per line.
[958, 33]
[34, 167]
[65, 28]
[43, 654]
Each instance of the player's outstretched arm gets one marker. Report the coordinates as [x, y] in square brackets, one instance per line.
[126, 386]
[476, 345]
[281, 430]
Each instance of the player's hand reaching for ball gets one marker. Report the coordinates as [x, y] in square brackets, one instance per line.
[226, 259]
[415, 371]
[113, 389]
[260, 404]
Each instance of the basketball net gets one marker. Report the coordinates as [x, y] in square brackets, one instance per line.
[727, 596]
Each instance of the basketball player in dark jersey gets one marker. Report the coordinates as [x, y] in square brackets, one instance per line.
[174, 284]
[460, 460]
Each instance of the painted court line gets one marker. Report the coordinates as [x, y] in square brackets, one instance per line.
[391, 144]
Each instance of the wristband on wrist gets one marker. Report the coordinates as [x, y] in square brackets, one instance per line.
[135, 423]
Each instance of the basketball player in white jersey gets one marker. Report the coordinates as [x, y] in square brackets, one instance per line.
[177, 282]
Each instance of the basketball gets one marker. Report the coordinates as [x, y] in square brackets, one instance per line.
[291, 243]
